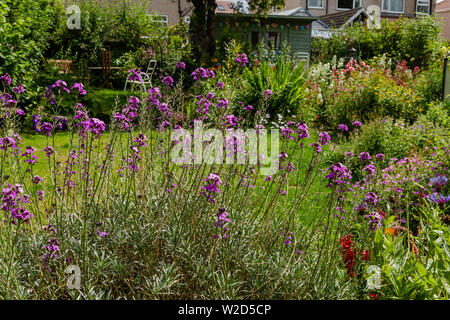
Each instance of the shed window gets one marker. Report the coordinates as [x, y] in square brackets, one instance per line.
[273, 39]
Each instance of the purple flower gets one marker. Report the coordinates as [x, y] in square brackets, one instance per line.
[46, 129]
[181, 65]
[439, 182]
[230, 121]
[371, 198]
[338, 175]
[343, 127]
[213, 183]
[317, 146]
[220, 85]
[370, 168]
[357, 124]
[6, 79]
[12, 202]
[364, 156]
[324, 138]
[375, 219]
[202, 73]
[78, 86]
[7, 142]
[210, 96]
[102, 234]
[52, 247]
[222, 103]
[40, 195]
[241, 59]
[37, 179]
[222, 223]
[61, 85]
[135, 75]
[19, 89]
[438, 198]
[168, 81]
[267, 93]
[380, 156]
[20, 112]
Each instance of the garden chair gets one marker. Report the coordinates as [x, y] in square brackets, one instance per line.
[302, 56]
[146, 77]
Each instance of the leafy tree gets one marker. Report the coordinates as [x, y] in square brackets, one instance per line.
[203, 24]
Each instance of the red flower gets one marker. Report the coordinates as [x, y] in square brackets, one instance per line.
[375, 296]
[348, 254]
[366, 255]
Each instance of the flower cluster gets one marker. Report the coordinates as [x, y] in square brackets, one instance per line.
[202, 73]
[181, 65]
[168, 81]
[350, 254]
[129, 113]
[12, 203]
[338, 175]
[135, 75]
[241, 59]
[375, 219]
[222, 223]
[211, 188]
[80, 88]
[52, 249]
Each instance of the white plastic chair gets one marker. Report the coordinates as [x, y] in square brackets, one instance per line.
[302, 56]
[145, 76]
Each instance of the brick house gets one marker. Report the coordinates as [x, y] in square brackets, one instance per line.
[443, 12]
[336, 13]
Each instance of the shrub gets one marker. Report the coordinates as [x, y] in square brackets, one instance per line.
[286, 80]
[363, 92]
[415, 40]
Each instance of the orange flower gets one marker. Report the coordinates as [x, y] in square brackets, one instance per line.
[391, 231]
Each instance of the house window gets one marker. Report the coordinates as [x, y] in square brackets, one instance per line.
[187, 19]
[163, 19]
[394, 6]
[423, 6]
[315, 4]
[348, 4]
[221, 7]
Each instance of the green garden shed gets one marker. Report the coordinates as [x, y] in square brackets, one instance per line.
[273, 29]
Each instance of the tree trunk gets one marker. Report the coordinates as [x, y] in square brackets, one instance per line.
[203, 27]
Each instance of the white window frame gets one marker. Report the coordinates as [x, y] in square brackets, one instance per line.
[313, 7]
[425, 3]
[342, 9]
[187, 19]
[163, 18]
[389, 11]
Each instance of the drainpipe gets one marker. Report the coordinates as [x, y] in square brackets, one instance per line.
[444, 76]
[180, 12]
